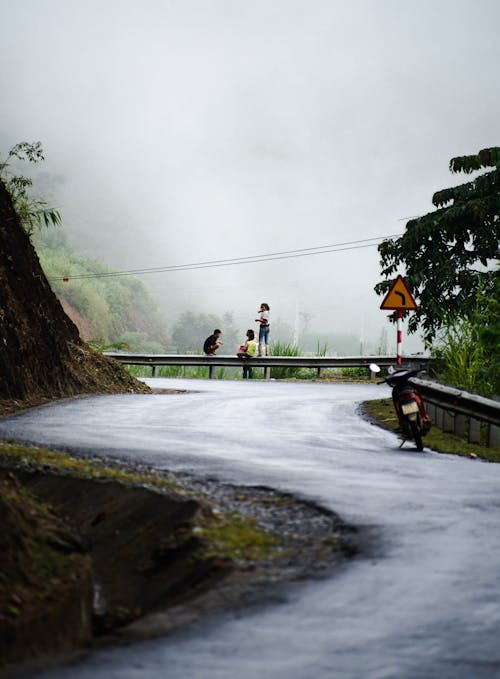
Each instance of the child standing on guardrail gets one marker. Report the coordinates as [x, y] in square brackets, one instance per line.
[246, 351]
[264, 321]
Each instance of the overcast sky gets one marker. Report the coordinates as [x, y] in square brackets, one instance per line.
[193, 130]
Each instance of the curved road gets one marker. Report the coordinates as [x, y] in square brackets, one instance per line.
[424, 604]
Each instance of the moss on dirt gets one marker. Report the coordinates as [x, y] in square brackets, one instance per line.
[381, 412]
[45, 578]
[237, 538]
[27, 456]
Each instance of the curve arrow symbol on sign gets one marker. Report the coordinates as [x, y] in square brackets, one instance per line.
[399, 297]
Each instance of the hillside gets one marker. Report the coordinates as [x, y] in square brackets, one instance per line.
[41, 353]
[113, 309]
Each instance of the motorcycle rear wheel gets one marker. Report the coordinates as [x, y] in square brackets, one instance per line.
[416, 435]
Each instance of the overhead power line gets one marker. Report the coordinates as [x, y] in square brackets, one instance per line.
[251, 259]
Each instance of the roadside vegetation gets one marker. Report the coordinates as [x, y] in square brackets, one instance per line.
[466, 354]
[381, 412]
[34, 211]
[34, 457]
[107, 310]
[450, 263]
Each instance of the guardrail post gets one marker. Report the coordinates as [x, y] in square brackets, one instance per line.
[211, 372]
[493, 436]
[267, 373]
[474, 431]
[319, 373]
[430, 409]
[153, 371]
[448, 421]
[439, 417]
[460, 425]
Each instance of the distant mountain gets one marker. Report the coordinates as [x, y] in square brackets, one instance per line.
[111, 309]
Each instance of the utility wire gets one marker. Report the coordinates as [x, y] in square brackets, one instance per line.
[251, 259]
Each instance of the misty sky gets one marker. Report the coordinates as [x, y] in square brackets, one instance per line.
[190, 130]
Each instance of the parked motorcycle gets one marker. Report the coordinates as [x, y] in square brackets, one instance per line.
[408, 404]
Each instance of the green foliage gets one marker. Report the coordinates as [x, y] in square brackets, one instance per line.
[106, 309]
[466, 353]
[199, 372]
[448, 253]
[353, 373]
[382, 411]
[34, 211]
[281, 349]
[321, 349]
[489, 335]
[236, 537]
[99, 344]
[62, 463]
[459, 356]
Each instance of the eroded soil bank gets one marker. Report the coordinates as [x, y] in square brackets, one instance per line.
[136, 561]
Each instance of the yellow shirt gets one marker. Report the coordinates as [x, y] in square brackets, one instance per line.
[251, 347]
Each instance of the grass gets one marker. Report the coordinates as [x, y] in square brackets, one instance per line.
[282, 349]
[235, 537]
[197, 372]
[382, 412]
[461, 359]
[24, 455]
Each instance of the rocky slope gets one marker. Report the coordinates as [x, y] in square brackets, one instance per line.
[41, 353]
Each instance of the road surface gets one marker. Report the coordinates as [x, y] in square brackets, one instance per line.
[423, 602]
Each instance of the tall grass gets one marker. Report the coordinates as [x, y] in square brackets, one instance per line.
[460, 358]
[281, 349]
[321, 349]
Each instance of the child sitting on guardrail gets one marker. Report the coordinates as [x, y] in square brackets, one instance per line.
[246, 351]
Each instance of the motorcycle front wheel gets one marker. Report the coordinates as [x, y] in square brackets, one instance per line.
[416, 434]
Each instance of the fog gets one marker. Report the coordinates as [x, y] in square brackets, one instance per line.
[185, 131]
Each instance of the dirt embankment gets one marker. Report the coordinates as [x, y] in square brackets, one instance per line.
[110, 562]
[41, 353]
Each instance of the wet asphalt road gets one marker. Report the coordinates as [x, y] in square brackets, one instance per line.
[422, 602]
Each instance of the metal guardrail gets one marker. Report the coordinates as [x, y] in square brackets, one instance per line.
[450, 409]
[319, 363]
[460, 412]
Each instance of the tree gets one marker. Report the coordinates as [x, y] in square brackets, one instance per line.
[449, 254]
[33, 211]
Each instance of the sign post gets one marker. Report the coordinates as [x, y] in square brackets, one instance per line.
[399, 341]
[399, 298]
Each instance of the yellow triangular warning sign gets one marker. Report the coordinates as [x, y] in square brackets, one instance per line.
[399, 297]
